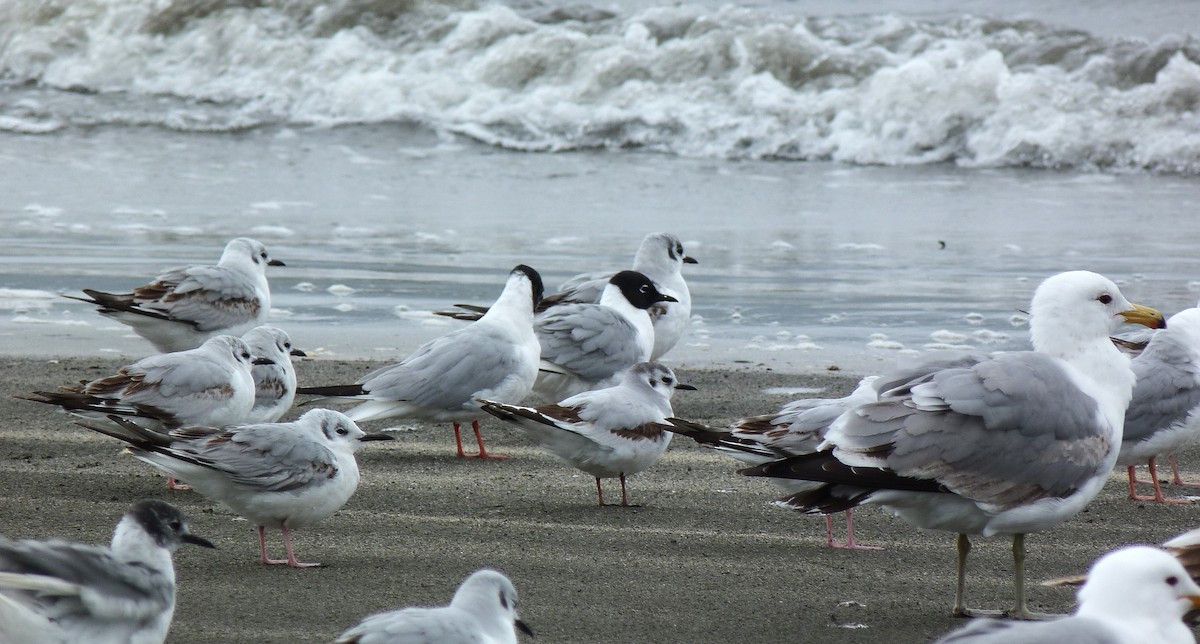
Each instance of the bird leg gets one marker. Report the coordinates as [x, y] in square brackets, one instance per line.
[599, 492]
[1158, 495]
[850, 544]
[483, 453]
[1020, 610]
[172, 484]
[287, 544]
[1175, 471]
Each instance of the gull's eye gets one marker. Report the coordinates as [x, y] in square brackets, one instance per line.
[342, 431]
[1105, 299]
[666, 381]
[1172, 580]
[644, 289]
[175, 526]
[504, 601]
[245, 355]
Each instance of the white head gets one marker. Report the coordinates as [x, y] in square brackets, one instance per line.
[1079, 308]
[248, 252]
[232, 346]
[338, 431]
[661, 254]
[1138, 582]
[492, 597]
[270, 342]
[656, 376]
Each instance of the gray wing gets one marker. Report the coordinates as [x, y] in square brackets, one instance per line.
[1077, 630]
[1167, 388]
[448, 371]
[273, 457]
[581, 289]
[1004, 431]
[213, 297]
[592, 341]
[107, 589]
[414, 626]
[180, 377]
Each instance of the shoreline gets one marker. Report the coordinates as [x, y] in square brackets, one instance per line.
[704, 559]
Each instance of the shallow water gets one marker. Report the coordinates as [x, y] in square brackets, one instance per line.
[802, 265]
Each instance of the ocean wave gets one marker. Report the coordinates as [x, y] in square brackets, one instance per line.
[728, 82]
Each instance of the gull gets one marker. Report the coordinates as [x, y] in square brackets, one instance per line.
[208, 385]
[185, 306]
[495, 357]
[797, 428]
[589, 346]
[606, 432]
[660, 258]
[1013, 443]
[483, 609]
[275, 475]
[59, 592]
[1162, 417]
[1132, 595]
[273, 373]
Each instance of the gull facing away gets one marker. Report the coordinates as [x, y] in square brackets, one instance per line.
[1163, 417]
[660, 258]
[495, 357]
[484, 609]
[209, 385]
[55, 592]
[589, 346]
[185, 306]
[1010, 444]
[275, 475]
[273, 373]
[1133, 595]
[608, 432]
[797, 428]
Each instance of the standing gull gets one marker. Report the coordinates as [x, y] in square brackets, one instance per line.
[1014, 443]
[660, 258]
[797, 428]
[185, 306]
[275, 475]
[589, 346]
[483, 609]
[608, 432]
[273, 373]
[495, 357]
[1134, 595]
[1163, 417]
[59, 592]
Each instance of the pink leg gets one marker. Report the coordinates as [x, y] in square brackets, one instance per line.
[599, 492]
[624, 494]
[172, 484]
[262, 549]
[1158, 495]
[1177, 480]
[483, 453]
[851, 544]
[291, 554]
[1133, 484]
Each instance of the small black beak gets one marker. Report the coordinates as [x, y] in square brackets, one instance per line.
[523, 627]
[666, 298]
[297, 352]
[262, 361]
[377, 437]
[276, 262]
[685, 387]
[199, 541]
[689, 260]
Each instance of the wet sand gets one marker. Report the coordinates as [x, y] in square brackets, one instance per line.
[704, 559]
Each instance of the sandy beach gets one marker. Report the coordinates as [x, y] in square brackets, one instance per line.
[704, 559]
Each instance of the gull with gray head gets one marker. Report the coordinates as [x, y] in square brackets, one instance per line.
[61, 593]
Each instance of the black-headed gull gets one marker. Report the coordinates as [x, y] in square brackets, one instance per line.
[495, 357]
[608, 433]
[60, 592]
[1014, 443]
[589, 346]
[275, 475]
[483, 609]
[185, 306]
